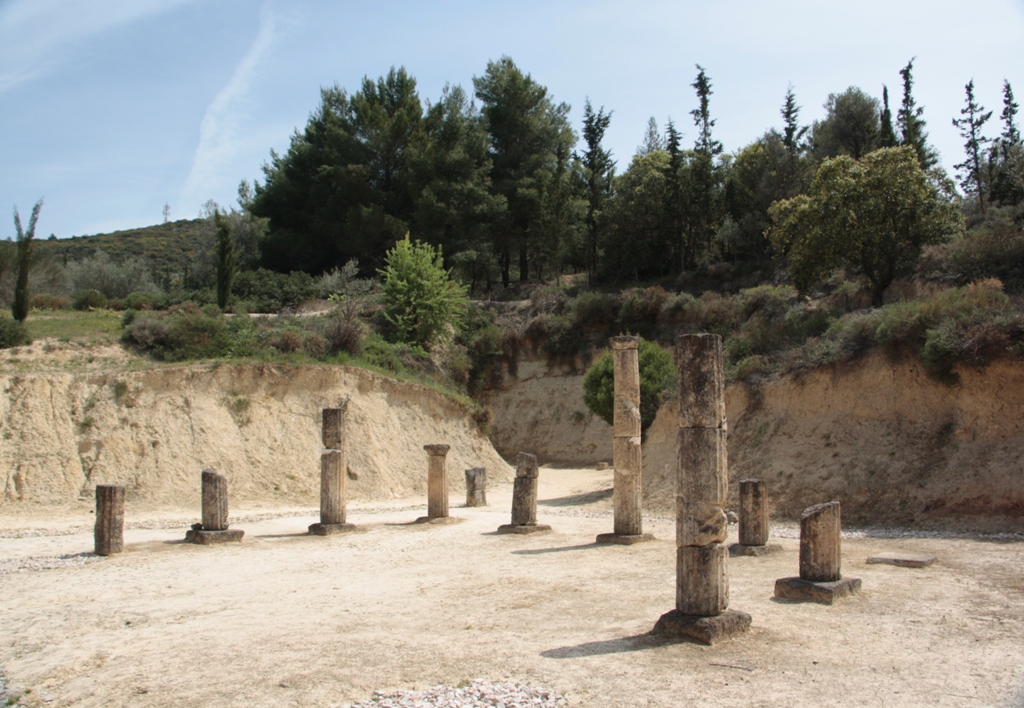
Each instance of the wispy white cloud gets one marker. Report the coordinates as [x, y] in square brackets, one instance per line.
[39, 36]
[221, 131]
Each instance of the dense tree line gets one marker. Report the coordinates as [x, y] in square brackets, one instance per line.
[504, 185]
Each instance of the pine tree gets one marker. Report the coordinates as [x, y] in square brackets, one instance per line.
[1011, 133]
[911, 123]
[702, 117]
[1007, 156]
[673, 212]
[887, 135]
[19, 308]
[974, 117]
[599, 169]
[653, 141]
[792, 133]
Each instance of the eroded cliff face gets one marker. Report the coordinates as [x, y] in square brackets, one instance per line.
[889, 442]
[155, 430]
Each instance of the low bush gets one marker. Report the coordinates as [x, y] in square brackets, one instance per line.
[48, 302]
[89, 300]
[266, 291]
[13, 333]
[183, 333]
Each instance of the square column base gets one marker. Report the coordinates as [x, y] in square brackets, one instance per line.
[330, 529]
[738, 549]
[799, 590]
[706, 630]
[624, 539]
[524, 529]
[437, 520]
[205, 538]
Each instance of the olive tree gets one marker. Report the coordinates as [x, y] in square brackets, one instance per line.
[872, 216]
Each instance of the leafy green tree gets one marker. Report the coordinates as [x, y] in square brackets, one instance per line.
[421, 302]
[657, 375]
[873, 216]
[887, 133]
[598, 173]
[530, 140]
[911, 123]
[225, 260]
[634, 240]
[850, 126]
[972, 169]
[19, 308]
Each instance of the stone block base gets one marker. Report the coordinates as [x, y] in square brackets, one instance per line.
[205, 538]
[319, 529]
[624, 539]
[526, 528]
[799, 590]
[903, 560]
[437, 520]
[738, 549]
[706, 630]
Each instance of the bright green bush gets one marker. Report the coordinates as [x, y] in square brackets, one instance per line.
[657, 376]
[13, 333]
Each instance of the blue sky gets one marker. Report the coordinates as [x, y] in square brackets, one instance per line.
[112, 109]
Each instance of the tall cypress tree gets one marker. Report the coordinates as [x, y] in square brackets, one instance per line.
[599, 169]
[225, 260]
[909, 118]
[673, 212]
[702, 196]
[19, 308]
[887, 134]
[974, 117]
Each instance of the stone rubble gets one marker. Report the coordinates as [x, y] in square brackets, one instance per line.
[22, 565]
[478, 694]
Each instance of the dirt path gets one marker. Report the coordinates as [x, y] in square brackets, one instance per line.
[288, 619]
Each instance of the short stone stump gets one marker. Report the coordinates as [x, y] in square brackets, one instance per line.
[903, 560]
[319, 529]
[624, 539]
[523, 528]
[206, 538]
[738, 549]
[438, 520]
[797, 589]
[706, 630]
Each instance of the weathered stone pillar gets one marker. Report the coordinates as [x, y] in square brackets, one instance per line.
[476, 486]
[626, 453]
[214, 528]
[753, 521]
[333, 478]
[108, 535]
[702, 578]
[437, 480]
[820, 578]
[524, 497]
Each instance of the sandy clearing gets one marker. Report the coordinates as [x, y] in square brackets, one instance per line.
[289, 619]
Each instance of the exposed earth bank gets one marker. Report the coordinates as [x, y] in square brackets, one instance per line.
[894, 445]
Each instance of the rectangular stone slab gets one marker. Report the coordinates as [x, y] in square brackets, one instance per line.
[903, 560]
[800, 590]
[706, 630]
[205, 538]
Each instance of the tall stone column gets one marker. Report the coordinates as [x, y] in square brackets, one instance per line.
[524, 497]
[702, 482]
[821, 579]
[214, 527]
[626, 452]
[753, 521]
[437, 486]
[333, 474]
[108, 536]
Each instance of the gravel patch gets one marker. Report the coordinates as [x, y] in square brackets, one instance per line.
[478, 693]
[22, 565]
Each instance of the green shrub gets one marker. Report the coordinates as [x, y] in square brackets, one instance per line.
[89, 300]
[48, 302]
[596, 311]
[657, 376]
[994, 250]
[640, 311]
[182, 333]
[266, 291]
[13, 333]
[139, 301]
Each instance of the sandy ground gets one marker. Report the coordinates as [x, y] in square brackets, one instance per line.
[287, 619]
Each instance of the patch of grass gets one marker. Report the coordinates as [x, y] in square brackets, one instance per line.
[91, 327]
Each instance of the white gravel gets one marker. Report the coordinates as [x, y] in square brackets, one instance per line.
[21, 565]
[478, 694]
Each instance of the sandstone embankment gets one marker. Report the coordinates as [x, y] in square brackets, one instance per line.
[894, 445]
[155, 430]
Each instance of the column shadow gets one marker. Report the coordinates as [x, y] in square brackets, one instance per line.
[638, 642]
[557, 549]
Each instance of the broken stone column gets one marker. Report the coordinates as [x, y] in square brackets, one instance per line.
[108, 535]
[333, 475]
[753, 521]
[476, 486]
[524, 497]
[626, 453]
[821, 579]
[702, 578]
[437, 485]
[214, 528]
